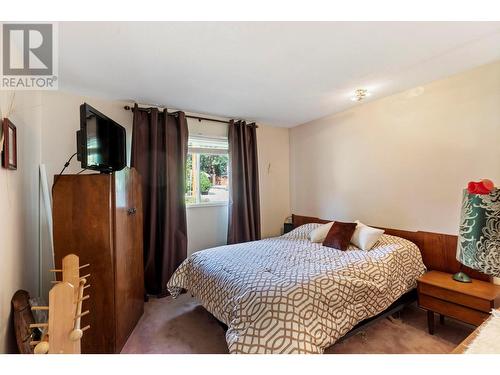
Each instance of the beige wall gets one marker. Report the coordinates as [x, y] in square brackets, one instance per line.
[274, 178]
[19, 205]
[401, 161]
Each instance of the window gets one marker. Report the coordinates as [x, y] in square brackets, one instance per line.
[207, 171]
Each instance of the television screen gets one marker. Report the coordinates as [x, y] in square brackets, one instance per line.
[101, 141]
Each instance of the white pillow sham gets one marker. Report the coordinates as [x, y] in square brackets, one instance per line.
[319, 234]
[365, 237]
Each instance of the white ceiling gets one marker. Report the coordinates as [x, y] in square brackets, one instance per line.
[277, 73]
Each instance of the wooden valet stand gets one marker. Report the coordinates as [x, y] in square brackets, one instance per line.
[63, 332]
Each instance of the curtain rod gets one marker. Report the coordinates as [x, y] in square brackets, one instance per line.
[129, 108]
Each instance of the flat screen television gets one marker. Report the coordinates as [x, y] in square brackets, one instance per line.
[101, 142]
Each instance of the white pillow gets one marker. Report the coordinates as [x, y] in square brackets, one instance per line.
[365, 237]
[319, 234]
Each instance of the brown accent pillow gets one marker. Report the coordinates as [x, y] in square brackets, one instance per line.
[340, 235]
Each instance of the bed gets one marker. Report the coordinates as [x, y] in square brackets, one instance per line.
[289, 295]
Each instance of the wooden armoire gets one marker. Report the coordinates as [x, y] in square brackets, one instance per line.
[99, 218]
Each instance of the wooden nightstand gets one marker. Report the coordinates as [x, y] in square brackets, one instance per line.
[468, 302]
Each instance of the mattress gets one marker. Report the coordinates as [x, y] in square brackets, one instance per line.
[289, 295]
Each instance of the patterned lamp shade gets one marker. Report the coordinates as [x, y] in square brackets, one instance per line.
[479, 235]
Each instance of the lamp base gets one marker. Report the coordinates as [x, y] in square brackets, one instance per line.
[462, 277]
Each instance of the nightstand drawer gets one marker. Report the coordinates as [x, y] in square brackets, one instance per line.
[452, 310]
[455, 297]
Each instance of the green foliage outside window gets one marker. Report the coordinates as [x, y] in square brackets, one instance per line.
[213, 169]
[189, 170]
[205, 183]
[214, 164]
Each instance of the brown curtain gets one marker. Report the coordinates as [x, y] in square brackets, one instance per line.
[159, 152]
[244, 206]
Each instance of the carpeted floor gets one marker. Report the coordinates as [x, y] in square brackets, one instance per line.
[183, 326]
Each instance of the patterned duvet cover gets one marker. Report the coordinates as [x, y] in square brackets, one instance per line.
[289, 295]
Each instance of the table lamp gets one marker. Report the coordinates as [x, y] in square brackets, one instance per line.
[479, 234]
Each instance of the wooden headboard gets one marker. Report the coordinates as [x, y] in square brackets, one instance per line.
[438, 249]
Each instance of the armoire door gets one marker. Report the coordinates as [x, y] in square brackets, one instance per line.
[82, 215]
[129, 272]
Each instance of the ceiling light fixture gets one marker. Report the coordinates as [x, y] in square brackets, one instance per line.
[360, 94]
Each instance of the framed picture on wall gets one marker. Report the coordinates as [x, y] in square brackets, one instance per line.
[9, 154]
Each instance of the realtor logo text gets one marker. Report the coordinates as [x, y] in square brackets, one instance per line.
[29, 59]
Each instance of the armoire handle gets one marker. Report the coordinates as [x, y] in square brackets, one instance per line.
[131, 211]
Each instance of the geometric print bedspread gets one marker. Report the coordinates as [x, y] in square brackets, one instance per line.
[288, 295]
